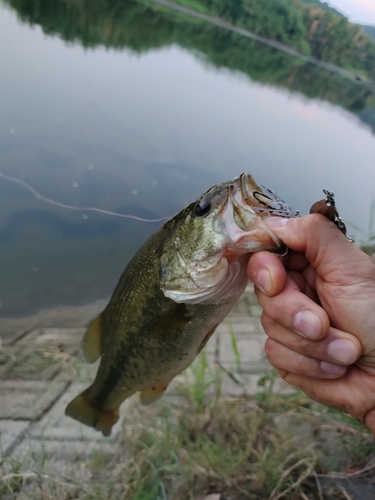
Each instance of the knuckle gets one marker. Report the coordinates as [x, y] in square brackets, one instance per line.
[271, 350]
[300, 367]
[283, 374]
[315, 220]
[266, 321]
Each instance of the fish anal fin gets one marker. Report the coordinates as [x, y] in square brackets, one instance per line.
[92, 341]
[153, 393]
[82, 409]
[207, 338]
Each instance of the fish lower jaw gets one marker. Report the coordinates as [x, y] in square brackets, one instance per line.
[252, 235]
[253, 242]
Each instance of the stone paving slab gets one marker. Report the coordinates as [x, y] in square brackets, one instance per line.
[260, 366]
[27, 400]
[56, 425]
[10, 432]
[243, 328]
[38, 362]
[240, 324]
[249, 350]
[8, 356]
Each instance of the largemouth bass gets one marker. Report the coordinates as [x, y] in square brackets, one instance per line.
[173, 294]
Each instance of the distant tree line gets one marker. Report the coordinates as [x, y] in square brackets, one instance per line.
[140, 26]
[308, 25]
[370, 30]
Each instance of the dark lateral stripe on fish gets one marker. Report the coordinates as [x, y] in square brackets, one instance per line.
[126, 354]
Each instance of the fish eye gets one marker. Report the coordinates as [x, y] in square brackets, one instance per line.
[202, 208]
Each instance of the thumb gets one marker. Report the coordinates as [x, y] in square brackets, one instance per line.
[327, 249]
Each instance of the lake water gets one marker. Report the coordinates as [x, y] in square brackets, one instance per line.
[139, 112]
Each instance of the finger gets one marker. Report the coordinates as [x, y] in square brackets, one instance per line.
[291, 362]
[353, 393]
[328, 251]
[306, 286]
[267, 272]
[295, 311]
[309, 275]
[336, 347]
[297, 261]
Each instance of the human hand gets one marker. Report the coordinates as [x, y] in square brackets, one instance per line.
[319, 314]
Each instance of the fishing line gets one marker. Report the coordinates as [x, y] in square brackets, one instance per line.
[71, 207]
[38, 196]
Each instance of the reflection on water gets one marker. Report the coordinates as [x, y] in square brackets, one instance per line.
[145, 128]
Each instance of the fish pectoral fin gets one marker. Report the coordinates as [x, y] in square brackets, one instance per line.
[92, 341]
[84, 410]
[206, 339]
[153, 393]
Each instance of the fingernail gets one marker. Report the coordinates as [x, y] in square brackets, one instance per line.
[342, 351]
[276, 222]
[332, 369]
[264, 280]
[307, 324]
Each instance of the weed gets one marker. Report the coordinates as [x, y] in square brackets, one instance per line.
[367, 243]
[233, 339]
[270, 446]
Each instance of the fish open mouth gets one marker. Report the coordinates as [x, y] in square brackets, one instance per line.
[248, 204]
[262, 199]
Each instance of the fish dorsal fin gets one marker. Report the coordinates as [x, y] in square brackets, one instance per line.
[92, 341]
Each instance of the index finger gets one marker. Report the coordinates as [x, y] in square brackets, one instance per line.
[267, 270]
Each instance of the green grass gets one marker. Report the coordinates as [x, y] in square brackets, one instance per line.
[233, 339]
[197, 440]
[267, 446]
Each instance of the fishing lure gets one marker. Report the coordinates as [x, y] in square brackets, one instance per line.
[327, 207]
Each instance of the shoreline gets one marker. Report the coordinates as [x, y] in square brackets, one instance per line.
[13, 328]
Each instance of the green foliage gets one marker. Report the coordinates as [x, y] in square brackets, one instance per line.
[370, 30]
[194, 5]
[241, 448]
[322, 5]
[305, 48]
[334, 39]
[310, 26]
[144, 25]
[201, 381]
[276, 19]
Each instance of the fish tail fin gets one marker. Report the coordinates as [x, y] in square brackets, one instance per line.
[83, 409]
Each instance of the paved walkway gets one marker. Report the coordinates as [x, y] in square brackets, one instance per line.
[42, 369]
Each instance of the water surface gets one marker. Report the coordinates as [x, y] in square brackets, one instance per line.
[141, 115]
